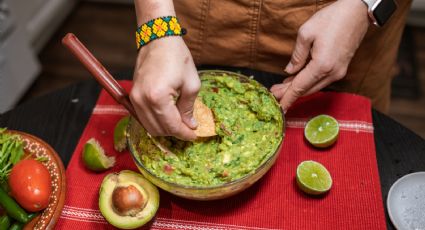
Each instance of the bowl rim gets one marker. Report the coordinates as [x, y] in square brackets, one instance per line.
[390, 197]
[228, 184]
[62, 186]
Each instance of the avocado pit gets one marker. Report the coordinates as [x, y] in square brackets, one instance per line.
[128, 200]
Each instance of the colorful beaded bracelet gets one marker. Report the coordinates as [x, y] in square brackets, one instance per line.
[158, 28]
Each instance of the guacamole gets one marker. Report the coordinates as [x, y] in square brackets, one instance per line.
[248, 122]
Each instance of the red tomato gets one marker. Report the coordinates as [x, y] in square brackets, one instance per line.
[30, 184]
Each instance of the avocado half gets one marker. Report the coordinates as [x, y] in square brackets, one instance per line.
[127, 200]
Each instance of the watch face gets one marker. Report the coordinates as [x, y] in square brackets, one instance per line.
[384, 10]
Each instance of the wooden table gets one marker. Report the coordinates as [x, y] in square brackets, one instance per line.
[59, 118]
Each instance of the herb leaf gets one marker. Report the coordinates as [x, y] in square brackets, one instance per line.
[11, 152]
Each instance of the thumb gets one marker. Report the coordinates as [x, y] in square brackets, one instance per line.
[188, 94]
[300, 53]
[306, 79]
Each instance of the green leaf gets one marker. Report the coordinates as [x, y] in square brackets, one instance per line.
[11, 152]
[4, 147]
[4, 156]
[17, 154]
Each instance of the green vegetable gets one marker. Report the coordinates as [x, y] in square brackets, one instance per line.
[16, 226]
[11, 152]
[12, 208]
[32, 216]
[4, 186]
[4, 222]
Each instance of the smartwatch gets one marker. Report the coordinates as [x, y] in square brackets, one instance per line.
[380, 10]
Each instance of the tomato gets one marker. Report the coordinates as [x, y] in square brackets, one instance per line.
[30, 185]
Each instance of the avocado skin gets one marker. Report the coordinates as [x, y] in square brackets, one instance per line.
[123, 178]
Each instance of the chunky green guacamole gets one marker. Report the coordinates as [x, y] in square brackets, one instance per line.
[249, 127]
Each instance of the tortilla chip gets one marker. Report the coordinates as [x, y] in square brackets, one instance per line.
[205, 119]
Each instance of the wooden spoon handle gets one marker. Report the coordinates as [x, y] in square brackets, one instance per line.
[99, 72]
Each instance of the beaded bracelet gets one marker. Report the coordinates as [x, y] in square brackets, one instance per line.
[158, 28]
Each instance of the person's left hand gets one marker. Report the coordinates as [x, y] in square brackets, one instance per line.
[330, 38]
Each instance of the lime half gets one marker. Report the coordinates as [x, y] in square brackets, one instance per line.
[120, 131]
[313, 178]
[94, 157]
[322, 131]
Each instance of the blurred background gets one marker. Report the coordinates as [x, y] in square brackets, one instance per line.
[31, 31]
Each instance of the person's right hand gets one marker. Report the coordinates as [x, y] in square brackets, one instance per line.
[164, 73]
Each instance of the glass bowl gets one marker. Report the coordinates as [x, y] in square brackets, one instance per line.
[200, 192]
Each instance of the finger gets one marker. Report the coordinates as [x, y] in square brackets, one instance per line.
[165, 110]
[288, 79]
[279, 89]
[188, 94]
[319, 86]
[301, 52]
[145, 115]
[172, 122]
[276, 87]
[283, 91]
[301, 84]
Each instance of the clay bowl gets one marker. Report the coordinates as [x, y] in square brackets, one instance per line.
[38, 148]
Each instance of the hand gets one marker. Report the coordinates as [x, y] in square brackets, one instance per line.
[164, 72]
[330, 37]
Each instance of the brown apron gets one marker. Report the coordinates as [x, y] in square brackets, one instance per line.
[260, 34]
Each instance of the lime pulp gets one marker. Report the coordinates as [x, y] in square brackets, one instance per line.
[322, 131]
[313, 178]
[94, 157]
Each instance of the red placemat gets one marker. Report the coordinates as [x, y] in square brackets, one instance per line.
[274, 202]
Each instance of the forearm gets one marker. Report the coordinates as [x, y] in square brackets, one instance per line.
[150, 9]
[360, 8]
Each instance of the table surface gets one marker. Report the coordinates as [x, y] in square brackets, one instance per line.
[59, 118]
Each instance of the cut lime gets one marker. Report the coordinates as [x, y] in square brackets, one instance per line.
[120, 132]
[94, 157]
[321, 131]
[313, 178]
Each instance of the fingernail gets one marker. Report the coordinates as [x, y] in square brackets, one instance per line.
[193, 122]
[289, 68]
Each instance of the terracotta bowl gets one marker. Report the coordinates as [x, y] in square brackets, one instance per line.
[48, 217]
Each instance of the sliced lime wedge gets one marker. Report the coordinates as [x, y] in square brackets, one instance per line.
[94, 157]
[321, 131]
[120, 131]
[313, 178]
